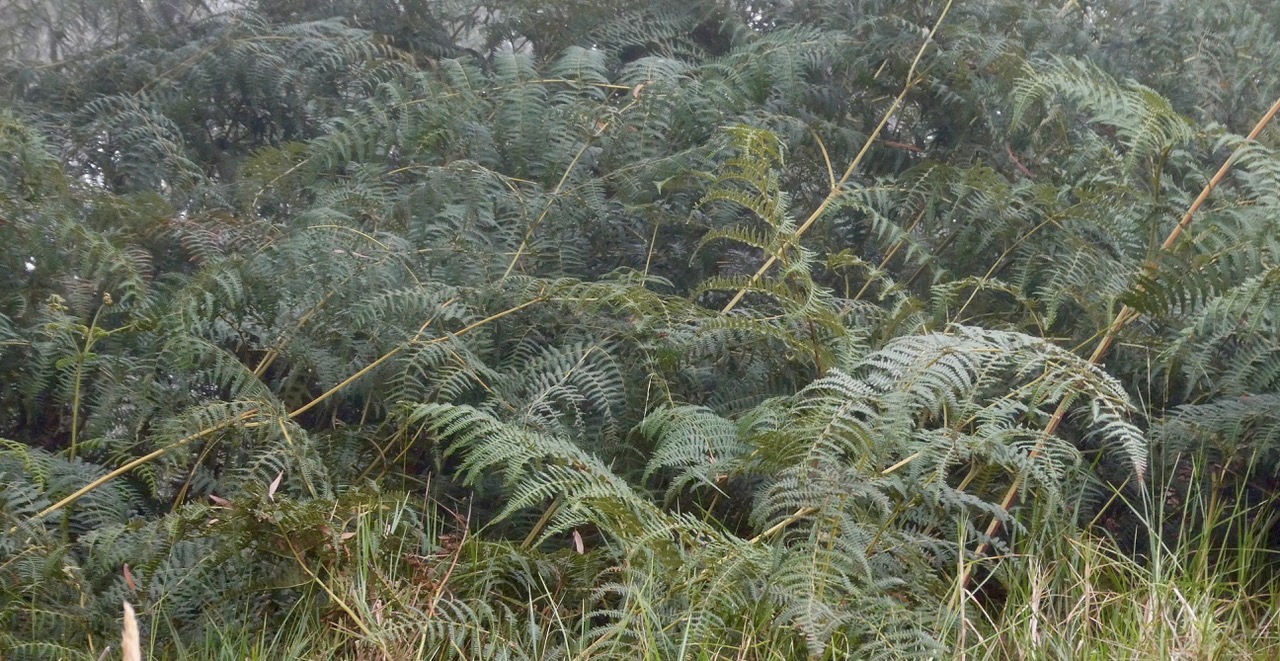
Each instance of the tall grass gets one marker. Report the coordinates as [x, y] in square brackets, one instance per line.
[1200, 586]
[1203, 589]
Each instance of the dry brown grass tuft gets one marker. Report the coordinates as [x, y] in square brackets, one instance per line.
[131, 642]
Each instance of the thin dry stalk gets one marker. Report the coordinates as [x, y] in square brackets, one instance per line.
[837, 185]
[1124, 317]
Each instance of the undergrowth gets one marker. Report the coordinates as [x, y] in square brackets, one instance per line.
[639, 330]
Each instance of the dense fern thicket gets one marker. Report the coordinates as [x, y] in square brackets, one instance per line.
[433, 329]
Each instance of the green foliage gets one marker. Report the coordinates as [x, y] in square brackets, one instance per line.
[432, 329]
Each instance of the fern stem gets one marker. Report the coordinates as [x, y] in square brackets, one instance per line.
[1001, 261]
[1123, 318]
[273, 352]
[836, 189]
[826, 159]
[897, 245]
[783, 524]
[453, 564]
[653, 244]
[551, 199]
[1217, 178]
[254, 205]
[392, 353]
[89, 337]
[542, 523]
[79, 493]
[181, 496]
[364, 628]
[75, 396]
[817, 350]
[287, 336]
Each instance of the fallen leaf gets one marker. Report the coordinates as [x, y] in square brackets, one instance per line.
[275, 484]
